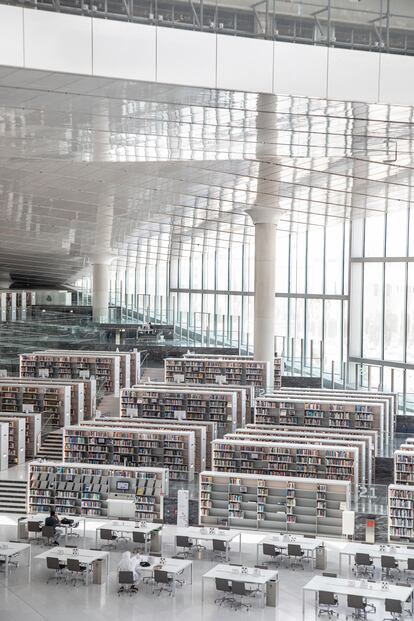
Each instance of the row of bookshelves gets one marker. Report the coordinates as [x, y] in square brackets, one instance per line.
[81, 489]
[53, 401]
[283, 504]
[240, 371]
[14, 304]
[132, 447]
[401, 513]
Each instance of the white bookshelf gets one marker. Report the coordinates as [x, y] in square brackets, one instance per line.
[33, 428]
[52, 401]
[4, 446]
[244, 394]
[323, 412]
[400, 513]
[83, 489]
[295, 459]
[238, 371]
[202, 458]
[137, 448]
[17, 440]
[271, 503]
[190, 404]
[362, 443]
[404, 466]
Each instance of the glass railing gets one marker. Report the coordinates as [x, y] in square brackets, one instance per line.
[374, 26]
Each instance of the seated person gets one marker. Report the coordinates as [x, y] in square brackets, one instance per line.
[128, 563]
[53, 520]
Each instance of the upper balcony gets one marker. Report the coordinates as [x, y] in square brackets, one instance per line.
[365, 25]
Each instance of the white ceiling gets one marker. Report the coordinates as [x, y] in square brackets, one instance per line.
[100, 166]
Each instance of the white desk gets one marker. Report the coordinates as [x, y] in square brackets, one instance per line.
[400, 553]
[9, 548]
[308, 545]
[204, 534]
[40, 518]
[173, 566]
[259, 577]
[342, 586]
[127, 528]
[86, 557]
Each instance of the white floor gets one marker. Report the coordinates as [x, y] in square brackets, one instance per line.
[34, 600]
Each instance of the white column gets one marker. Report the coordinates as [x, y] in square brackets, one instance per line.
[100, 292]
[265, 221]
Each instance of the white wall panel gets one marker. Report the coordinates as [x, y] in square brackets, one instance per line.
[57, 42]
[244, 64]
[186, 57]
[124, 50]
[397, 79]
[300, 69]
[11, 36]
[353, 75]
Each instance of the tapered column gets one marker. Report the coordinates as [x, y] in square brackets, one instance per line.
[100, 292]
[265, 221]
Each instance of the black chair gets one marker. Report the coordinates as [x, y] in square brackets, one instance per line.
[395, 608]
[48, 535]
[295, 555]
[327, 604]
[36, 528]
[185, 544]
[55, 565]
[106, 534]
[126, 583]
[220, 549]
[388, 565]
[162, 582]
[358, 604]
[270, 550]
[410, 566]
[140, 538]
[239, 589]
[328, 574]
[223, 586]
[76, 570]
[363, 564]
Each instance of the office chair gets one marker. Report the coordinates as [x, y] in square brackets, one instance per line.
[327, 603]
[359, 605]
[363, 565]
[76, 570]
[388, 564]
[220, 549]
[394, 607]
[185, 544]
[270, 550]
[162, 582]
[34, 527]
[106, 534]
[223, 586]
[407, 603]
[126, 583]
[55, 565]
[410, 566]
[140, 538]
[48, 535]
[295, 555]
[239, 588]
[328, 574]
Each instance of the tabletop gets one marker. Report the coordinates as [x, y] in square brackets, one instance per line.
[303, 542]
[399, 552]
[9, 548]
[370, 590]
[40, 517]
[85, 556]
[171, 565]
[204, 533]
[253, 575]
[130, 527]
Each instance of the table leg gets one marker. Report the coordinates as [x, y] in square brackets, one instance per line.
[264, 591]
[6, 569]
[240, 546]
[257, 553]
[96, 537]
[66, 535]
[340, 563]
[303, 604]
[202, 588]
[316, 605]
[191, 573]
[84, 534]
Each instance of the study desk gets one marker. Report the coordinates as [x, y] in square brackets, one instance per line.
[208, 534]
[8, 549]
[343, 586]
[40, 518]
[152, 532]
[400, 553]
[308, 545]
[173, 566]
[86, 557]
[265, 578]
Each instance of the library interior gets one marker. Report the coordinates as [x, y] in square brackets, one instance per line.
[206, 310]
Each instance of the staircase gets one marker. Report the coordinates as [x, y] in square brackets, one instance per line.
[109, 406]
[51, 447]
[13, 497]
[155, 374]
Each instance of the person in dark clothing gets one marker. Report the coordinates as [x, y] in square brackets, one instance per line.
[53, 520]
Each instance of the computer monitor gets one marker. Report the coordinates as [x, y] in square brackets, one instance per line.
[122, 486]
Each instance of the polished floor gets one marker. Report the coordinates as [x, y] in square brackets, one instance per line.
[34, 600]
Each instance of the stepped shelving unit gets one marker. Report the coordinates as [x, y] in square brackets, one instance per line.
[404, 466]
[190, 404]
[331, 462]
[240, 371]
[82, 489]
[270, 503]
[52, 401]
[202, 458]
[401, 513]
[4, 446]
[17, 440]
[33, 428]
[137, 448]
